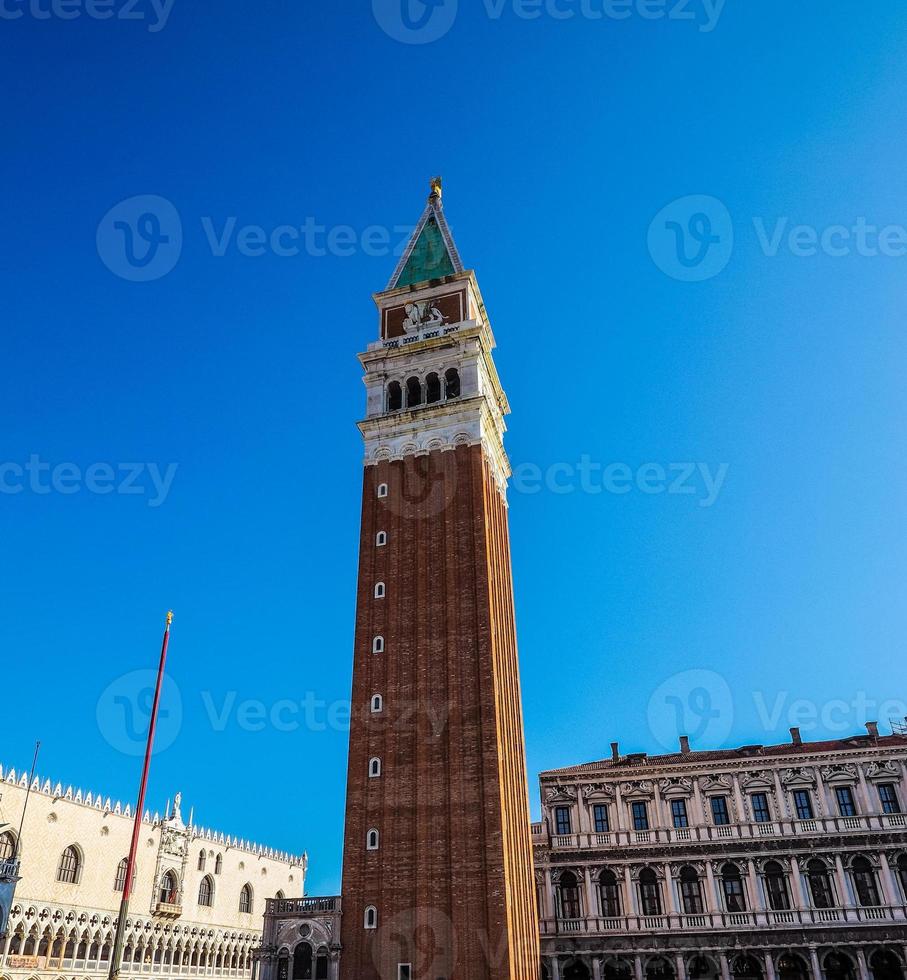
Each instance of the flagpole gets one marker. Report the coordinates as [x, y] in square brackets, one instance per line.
[31, 780]
[117, 955]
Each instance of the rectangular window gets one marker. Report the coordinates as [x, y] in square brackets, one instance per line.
[846, 805]
[600, 817]
[889, 798]
[679, 814]
[803, 803]
[761, 811]
[562, 821]
[405, 971]
[720, 813]
[640, 816]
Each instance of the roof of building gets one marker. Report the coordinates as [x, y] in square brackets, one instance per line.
[97, 801]
[785, 750]
[431, 252]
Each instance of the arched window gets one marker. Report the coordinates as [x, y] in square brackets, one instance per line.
[70, 867]
[381, 539]
[746, 968]
[610, 894]
[371, 917]
[374, 768]
[380, 590]
[902, 874]
[394, 397]
[218, 864]
[885, 966]
[820, 884]
[776, 887]
[302, 961]
[839, 966]
[413, 392]
[377, 704]
[691, 891]
[865, 883]
[119, 883]
[734, 892]
[202, 858]
[371, 840]
[649, 892]
[206, 892]
[7, 846]
[168, 889]
[568, 896]
[432, 389]
[245, 899]
[452, 383]
[378, 644]
[321, 965]
[382, 491]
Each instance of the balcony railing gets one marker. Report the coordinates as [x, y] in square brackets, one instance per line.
[707, 833]
[714, 921]
[301, 907]
[9, 868]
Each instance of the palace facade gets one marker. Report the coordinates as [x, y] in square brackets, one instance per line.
[198, 902]
[784, 862]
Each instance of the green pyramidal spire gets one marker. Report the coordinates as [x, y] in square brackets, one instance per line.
[431, 253]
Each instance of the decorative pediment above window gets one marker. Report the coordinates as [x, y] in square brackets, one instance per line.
[882, 771]
[598, 791]
[697, 866]
[559, 873]
[676, 787]
[798, 779]
[754, 782]
[763, 861]
[642, 789]
[716, 784]
[843, 774]
[561, 794]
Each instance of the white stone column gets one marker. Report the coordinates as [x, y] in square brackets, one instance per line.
[713, 902]
[843, 887]
[671, 889]
[630, 903]
[620, 821]
[591, 902]
[758, 901]
[889, 888]
[871, 804]
[698, 817]
[861, 964]
[796, 884]
[548, 911]
[680, 966]
[738, 798]
[637, 967]
[555, 968]
[596, 969]
[814, 960]
[725, 966]
[770, 972]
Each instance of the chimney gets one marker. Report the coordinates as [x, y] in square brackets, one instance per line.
[615, 751]
[873, 728]
[684, 744]
[796, 736]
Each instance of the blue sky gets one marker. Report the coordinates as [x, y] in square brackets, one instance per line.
[778, 375]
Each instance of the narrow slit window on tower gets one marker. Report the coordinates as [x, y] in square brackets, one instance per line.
[371, 917]
[405, 971]
[432, 388]
[374, 768]
[378, 644]
[377, 704]
[381, 539]
[371, 840]
[452, 383]
[413, 392]
[382, 491]
[380, 590]
[394, 397]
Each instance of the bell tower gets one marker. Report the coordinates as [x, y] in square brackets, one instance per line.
[437, 869]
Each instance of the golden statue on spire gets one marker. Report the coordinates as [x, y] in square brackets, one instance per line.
[437, 191]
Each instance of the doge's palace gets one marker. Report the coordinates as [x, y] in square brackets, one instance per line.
[198, 900]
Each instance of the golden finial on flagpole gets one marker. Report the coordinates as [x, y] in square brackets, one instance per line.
[170, 617]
